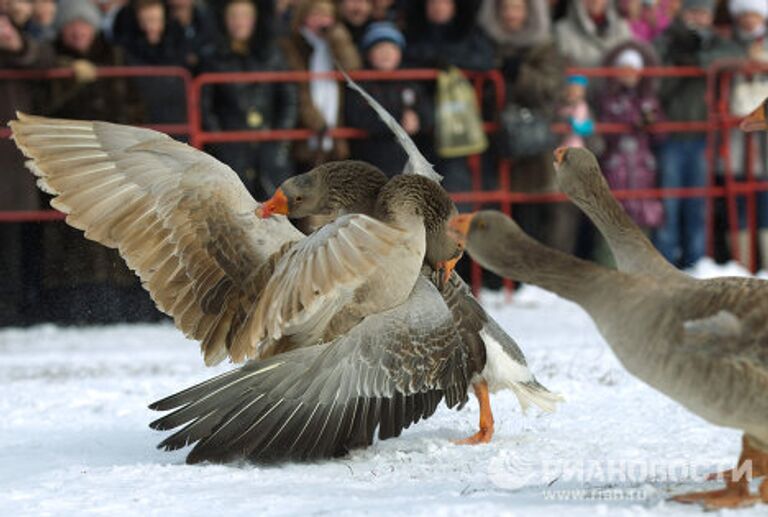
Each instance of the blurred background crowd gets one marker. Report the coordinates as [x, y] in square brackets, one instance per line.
[531, 43]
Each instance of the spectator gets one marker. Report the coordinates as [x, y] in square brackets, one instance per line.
[356, 15]
[93, 279]
[248, 106]
[19, 253]
[749, 34]
[647, 18]
[443, 32]
[198, 28]
[533, 73]
[40, 26]
[589, 29]
[383, 45]
[317, 41]
[81, 46]
[385, 11]
[20, 12]
[629, 162]
[157, 43]
[577, 113]
[689, 41]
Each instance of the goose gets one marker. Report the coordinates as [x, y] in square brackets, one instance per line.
[700, 342]
[336, 188]
[336, 326]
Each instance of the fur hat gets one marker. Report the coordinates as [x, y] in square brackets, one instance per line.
[739, 7]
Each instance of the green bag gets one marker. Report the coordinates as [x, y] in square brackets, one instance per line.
[458, 122]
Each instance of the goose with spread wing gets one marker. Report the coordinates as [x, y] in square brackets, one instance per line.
[336, 188]
[251, 287]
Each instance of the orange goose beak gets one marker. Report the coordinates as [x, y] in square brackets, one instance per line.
[277, 204]
[559, 155]
[755, 121]
[447, 267]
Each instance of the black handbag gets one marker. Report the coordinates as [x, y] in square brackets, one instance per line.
[524, 133]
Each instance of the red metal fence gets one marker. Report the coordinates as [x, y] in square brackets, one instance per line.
[717, 127]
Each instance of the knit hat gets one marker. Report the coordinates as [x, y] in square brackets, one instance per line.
[580, 80]
[709, 5]
[71, 10]
[378, 32]
[629, 58]
[739, 7]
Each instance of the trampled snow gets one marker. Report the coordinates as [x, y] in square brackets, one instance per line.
[74, 436]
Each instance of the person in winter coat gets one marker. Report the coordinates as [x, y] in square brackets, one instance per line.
[443, 32]
[688, 41]
[250, 106]
[84, 281]
[628, 162]
[317, 42]
[20, 250]
[383, 46]
[647, 18]
[198, 29]
[533, 73]
[589, 30]
[355, 15]
[157, 43]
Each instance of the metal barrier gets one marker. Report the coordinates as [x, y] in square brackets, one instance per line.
[717, 125]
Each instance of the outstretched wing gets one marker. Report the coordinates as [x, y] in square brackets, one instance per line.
[388, 372]
[417, 163]
[320, 275]
[182, 220]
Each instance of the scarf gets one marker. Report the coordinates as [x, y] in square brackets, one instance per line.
[324, 92]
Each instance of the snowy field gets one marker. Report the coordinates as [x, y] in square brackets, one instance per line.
[74, 436]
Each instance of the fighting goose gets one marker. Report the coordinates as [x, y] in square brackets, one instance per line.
[702, 343]
[244, 286]
[337, 188]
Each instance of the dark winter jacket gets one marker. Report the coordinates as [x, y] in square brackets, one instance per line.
[236, 106]
[684, 98]
[163, 97]
[460, 43]
[381, 148]
[629, 162]
[18, 190]
[113, 99]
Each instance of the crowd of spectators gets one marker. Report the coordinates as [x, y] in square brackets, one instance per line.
[531, 42]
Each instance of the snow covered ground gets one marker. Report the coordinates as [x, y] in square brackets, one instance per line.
[74, 436]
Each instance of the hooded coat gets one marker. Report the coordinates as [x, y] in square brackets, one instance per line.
[582, 42]
[298, 53]
[629, 161]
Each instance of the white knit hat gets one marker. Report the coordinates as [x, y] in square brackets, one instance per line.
[738, 7]
[629, 58]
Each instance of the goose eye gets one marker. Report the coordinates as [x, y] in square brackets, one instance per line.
[298, 199]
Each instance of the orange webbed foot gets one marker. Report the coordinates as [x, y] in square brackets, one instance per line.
[482, 436]
[733, 496]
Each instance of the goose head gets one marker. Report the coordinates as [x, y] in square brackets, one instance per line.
[578, 173]
[330, 189]
[488, 234]
[757, 120]
[407, 198]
